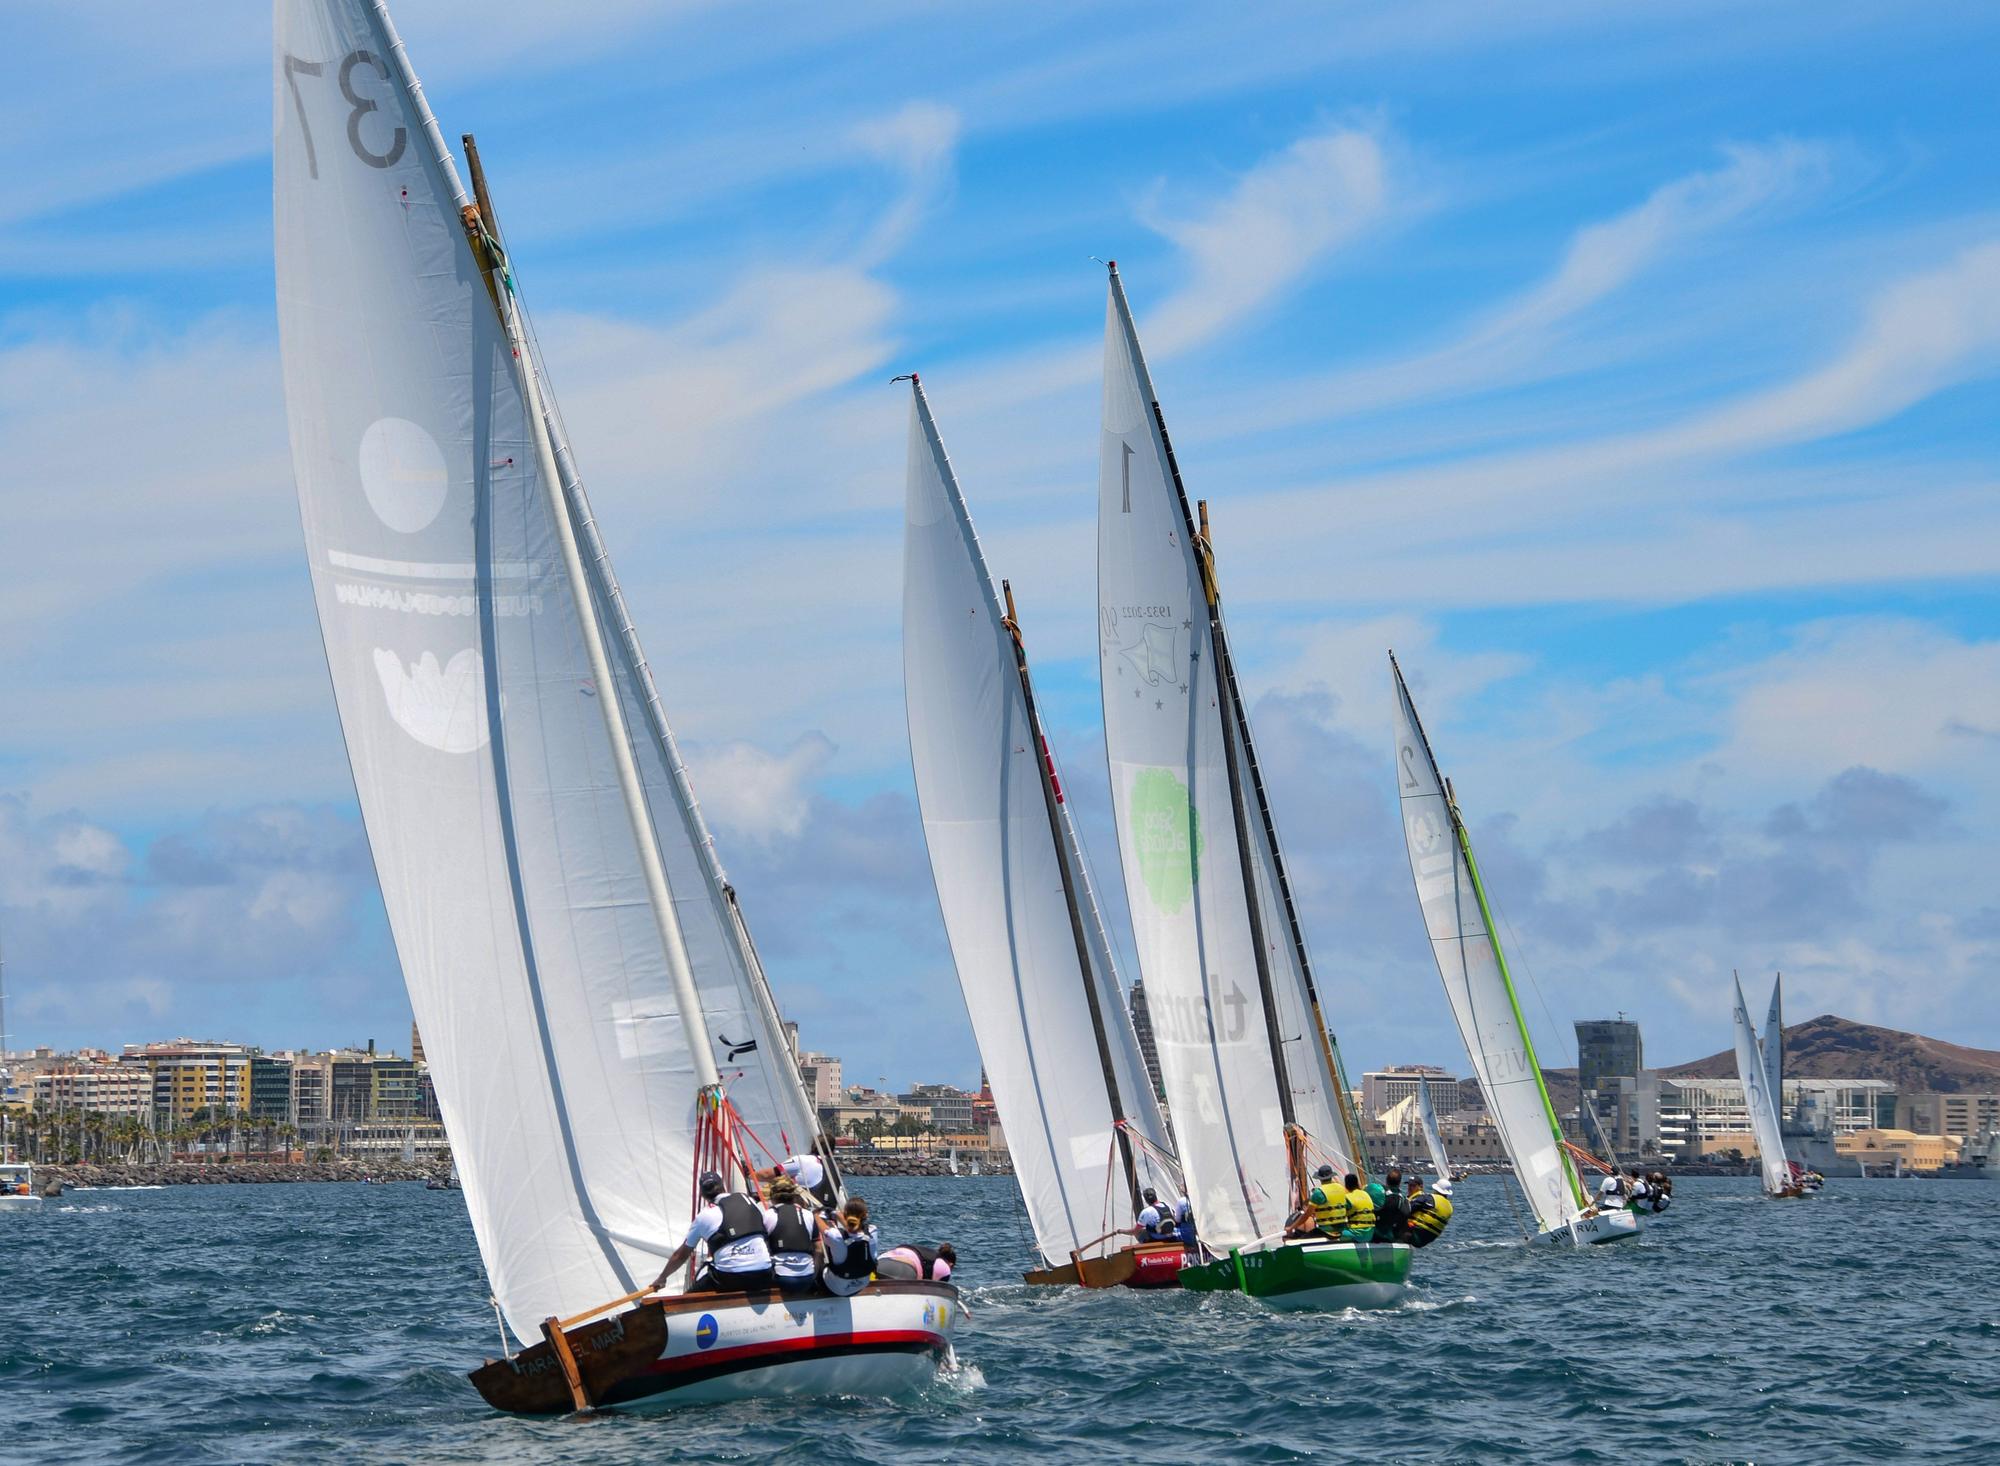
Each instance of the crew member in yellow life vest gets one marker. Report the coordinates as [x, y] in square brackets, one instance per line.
[1429, 1212]
[1360, 1212]
[1325, 1212]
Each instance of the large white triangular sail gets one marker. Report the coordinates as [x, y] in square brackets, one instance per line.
[1170, 754]
[1468, 960]
[512, 866]
[1005, 879]
[1760, 1101]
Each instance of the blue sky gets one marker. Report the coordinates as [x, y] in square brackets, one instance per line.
[1633, 374]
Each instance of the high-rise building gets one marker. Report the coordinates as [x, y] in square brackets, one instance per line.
[1607, 1048]
[99, 1085]
[1149, 1047]
[416, 1043]
[312, 1093]
[1384, 1089]
[821, 1073]
[270, 1088]
[190, 1075]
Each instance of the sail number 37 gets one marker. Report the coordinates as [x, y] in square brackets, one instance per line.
[360, 108]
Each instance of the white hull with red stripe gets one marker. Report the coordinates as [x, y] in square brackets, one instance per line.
[875, 1343]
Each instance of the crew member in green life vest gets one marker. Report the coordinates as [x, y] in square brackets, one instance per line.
[1430, 1212]
[1326, 1205]
[1360, 1212]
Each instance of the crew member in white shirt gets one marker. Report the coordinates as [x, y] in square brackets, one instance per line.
[734, 1228]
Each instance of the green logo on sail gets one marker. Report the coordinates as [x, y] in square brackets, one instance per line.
[1166, 833]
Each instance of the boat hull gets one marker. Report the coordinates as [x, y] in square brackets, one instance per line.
[1596, 1230]
[1148, 1265]
[1310, 1274]
[19, 1203]
[889, 1339]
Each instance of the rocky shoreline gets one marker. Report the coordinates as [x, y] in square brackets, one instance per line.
[260, 1173]
[234, 1173]
[919, 1165]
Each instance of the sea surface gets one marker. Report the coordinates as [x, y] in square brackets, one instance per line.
[336, 1322]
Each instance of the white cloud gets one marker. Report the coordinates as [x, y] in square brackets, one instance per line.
[751, 793]
[1282, 218]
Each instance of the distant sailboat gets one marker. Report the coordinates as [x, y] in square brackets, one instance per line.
[1253, 1080]
[17, 1178]
[1433, 1141]
[1483, 1002]
[1036, 970]
[1755, 1067]
[594, 1017]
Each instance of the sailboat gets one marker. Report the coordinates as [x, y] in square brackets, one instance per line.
[1473, 967]
[1253, 1080]
[597, 1026]
[1427, 1120]
[1754, 1065]
[17, 1178]
[1033, 961]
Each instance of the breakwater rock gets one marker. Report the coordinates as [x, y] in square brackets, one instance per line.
[231, 1173]
[892, 1164]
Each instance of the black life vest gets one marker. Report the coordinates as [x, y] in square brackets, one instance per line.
[860, 1260]
[741, 1217]
[927, 1261]
[1163, 1229]
[794, 1232]
[826, 1193]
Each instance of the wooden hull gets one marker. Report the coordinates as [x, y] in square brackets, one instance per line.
[1310, 1274]
[665, 1352]
[1147, 1265]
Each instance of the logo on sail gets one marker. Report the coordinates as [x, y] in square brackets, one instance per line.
[1155, 654]
[402, 473]
[441, 707]
[1166, 835]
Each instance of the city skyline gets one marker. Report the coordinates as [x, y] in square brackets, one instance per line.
[1645, 410]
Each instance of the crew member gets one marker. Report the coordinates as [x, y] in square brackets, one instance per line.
[794, 1237]
[1360, 1212]
[734, 1227]
[912, 1263]
[1389, 1218]
[1184, 1227]
[1156, 1220]
[850, 1250]
[1411, 1201]
[1611, 1192]
[1430, 1212]
[813, 1176]
[1325, 1211]
[1639, 1192]
[1663, 1191]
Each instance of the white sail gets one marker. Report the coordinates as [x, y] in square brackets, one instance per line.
[1773, 1041]
[1467, 960]
[1000, 880]
[488, 783]
[1760, 1102]
[1170, 784]
[1433, 1141]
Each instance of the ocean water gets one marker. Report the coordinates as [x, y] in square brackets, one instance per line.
[335, 1323]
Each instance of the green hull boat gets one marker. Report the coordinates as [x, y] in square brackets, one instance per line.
[1310, 1274]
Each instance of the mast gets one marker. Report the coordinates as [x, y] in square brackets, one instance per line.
[1057, 833]
[487, 250]
[1507, 982]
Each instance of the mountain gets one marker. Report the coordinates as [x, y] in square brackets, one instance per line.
[1826, 1048]
[1839, 1048]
